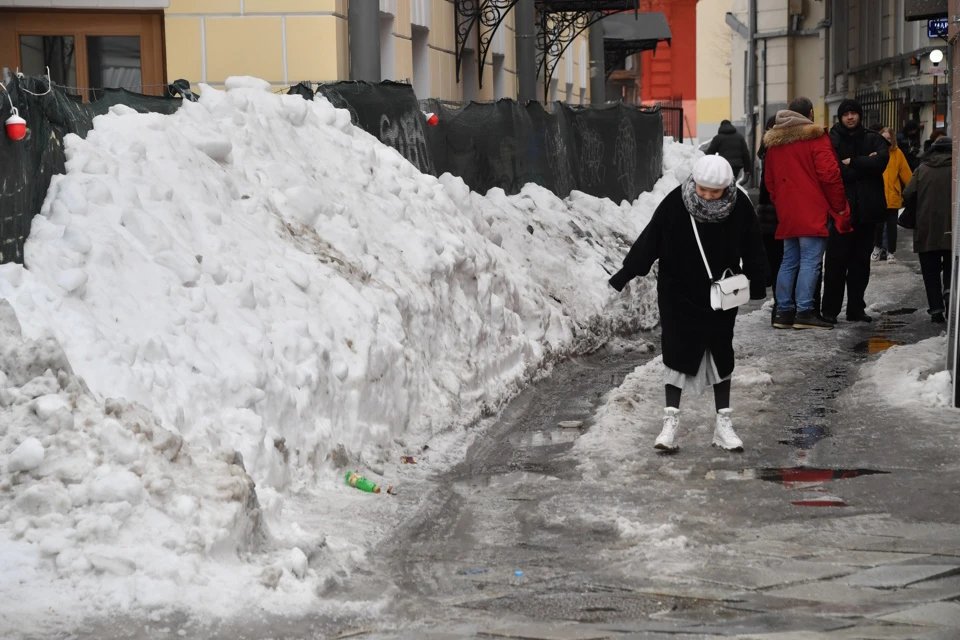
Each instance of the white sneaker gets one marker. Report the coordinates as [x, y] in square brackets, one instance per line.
[724, 436]
[876, 253]
[671, 420]
[891, 257]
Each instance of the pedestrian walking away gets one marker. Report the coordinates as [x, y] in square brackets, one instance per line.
[927, 198]
[732, 146]
[697, 340]
[895, 178]
[803, 178]
[863, 155]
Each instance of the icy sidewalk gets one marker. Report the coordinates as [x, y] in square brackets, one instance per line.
[838, 521]
[255, 278]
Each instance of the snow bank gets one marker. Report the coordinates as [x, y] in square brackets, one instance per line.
[910, 375]
[276, 297]
[93, 491]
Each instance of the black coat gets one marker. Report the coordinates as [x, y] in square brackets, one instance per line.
[928, 196]
[863, 177]
[766, 211]
[688, 324]
[732, 146]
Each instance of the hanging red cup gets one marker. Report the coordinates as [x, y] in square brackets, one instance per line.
[16, 126]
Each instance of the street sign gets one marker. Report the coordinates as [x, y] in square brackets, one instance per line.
[938, 28]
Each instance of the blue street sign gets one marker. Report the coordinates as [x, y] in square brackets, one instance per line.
[938, 28]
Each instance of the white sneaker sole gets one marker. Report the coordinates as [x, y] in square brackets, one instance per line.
[719, 444]
[665, 447]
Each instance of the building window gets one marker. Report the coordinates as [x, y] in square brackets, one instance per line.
[568, 98]
[388, 65]
[499, 78]
[421, 62]
[87, 51]
[114, 62]
[468, 75]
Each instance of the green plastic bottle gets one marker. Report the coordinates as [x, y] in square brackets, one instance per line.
[359, 482]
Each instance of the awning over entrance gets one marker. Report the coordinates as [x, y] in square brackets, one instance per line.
[627, 33]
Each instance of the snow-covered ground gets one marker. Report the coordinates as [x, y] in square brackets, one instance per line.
[228, 308]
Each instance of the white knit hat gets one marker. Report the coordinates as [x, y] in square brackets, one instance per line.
[713, 172]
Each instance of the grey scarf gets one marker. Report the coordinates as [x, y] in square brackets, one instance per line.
[708, 210]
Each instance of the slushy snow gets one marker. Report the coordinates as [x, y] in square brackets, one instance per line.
[226, 309]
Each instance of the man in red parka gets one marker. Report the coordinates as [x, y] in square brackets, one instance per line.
[803, 178]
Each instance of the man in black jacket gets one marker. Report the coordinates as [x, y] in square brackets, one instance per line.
[863, 156]
[732, 146]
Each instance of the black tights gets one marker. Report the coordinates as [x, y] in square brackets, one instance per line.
[721, 395]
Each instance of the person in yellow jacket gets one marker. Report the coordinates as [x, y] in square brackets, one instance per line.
[895, 178]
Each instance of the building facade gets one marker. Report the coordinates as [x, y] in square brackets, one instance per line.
[143, 44]
[826, 50]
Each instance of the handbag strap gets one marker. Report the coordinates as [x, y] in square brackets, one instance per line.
[696, 235]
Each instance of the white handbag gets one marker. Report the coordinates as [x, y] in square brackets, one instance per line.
[731, 290]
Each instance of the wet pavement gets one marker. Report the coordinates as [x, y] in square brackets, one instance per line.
[836, 522]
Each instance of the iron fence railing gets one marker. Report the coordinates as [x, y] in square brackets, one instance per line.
[882, 108]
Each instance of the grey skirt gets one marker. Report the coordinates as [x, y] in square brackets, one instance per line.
[707, 376]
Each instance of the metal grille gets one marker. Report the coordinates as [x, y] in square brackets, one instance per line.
[886, 109]
[672, 118]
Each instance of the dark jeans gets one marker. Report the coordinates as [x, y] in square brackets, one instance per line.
[847, 266]
[890, 225]
[935, 266]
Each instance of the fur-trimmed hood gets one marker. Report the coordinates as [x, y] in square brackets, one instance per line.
[792, 127]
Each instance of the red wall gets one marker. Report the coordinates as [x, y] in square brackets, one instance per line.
[672, 72]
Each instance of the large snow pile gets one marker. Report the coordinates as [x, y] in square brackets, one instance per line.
[911, 375]
[257, 277]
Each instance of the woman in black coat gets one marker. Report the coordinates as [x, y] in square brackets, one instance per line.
[698, 341]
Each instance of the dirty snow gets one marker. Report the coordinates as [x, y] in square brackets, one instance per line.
[910, 375]
[228, 308]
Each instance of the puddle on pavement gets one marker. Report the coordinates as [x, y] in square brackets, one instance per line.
[827, 502]
[793, 476]
[806, 437]
[876, 344]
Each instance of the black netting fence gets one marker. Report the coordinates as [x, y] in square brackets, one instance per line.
[613, 151]
[26, 166]
[388, 111]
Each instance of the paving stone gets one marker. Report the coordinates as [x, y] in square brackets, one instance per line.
[880, 632]
[932, 590]
[899, 575]
[788, 635]
[871, 558]
[848, 611]
[937, 614]
[770, 623]
[831, 592]
[763, 577]
[940, 546]
[545, 632]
